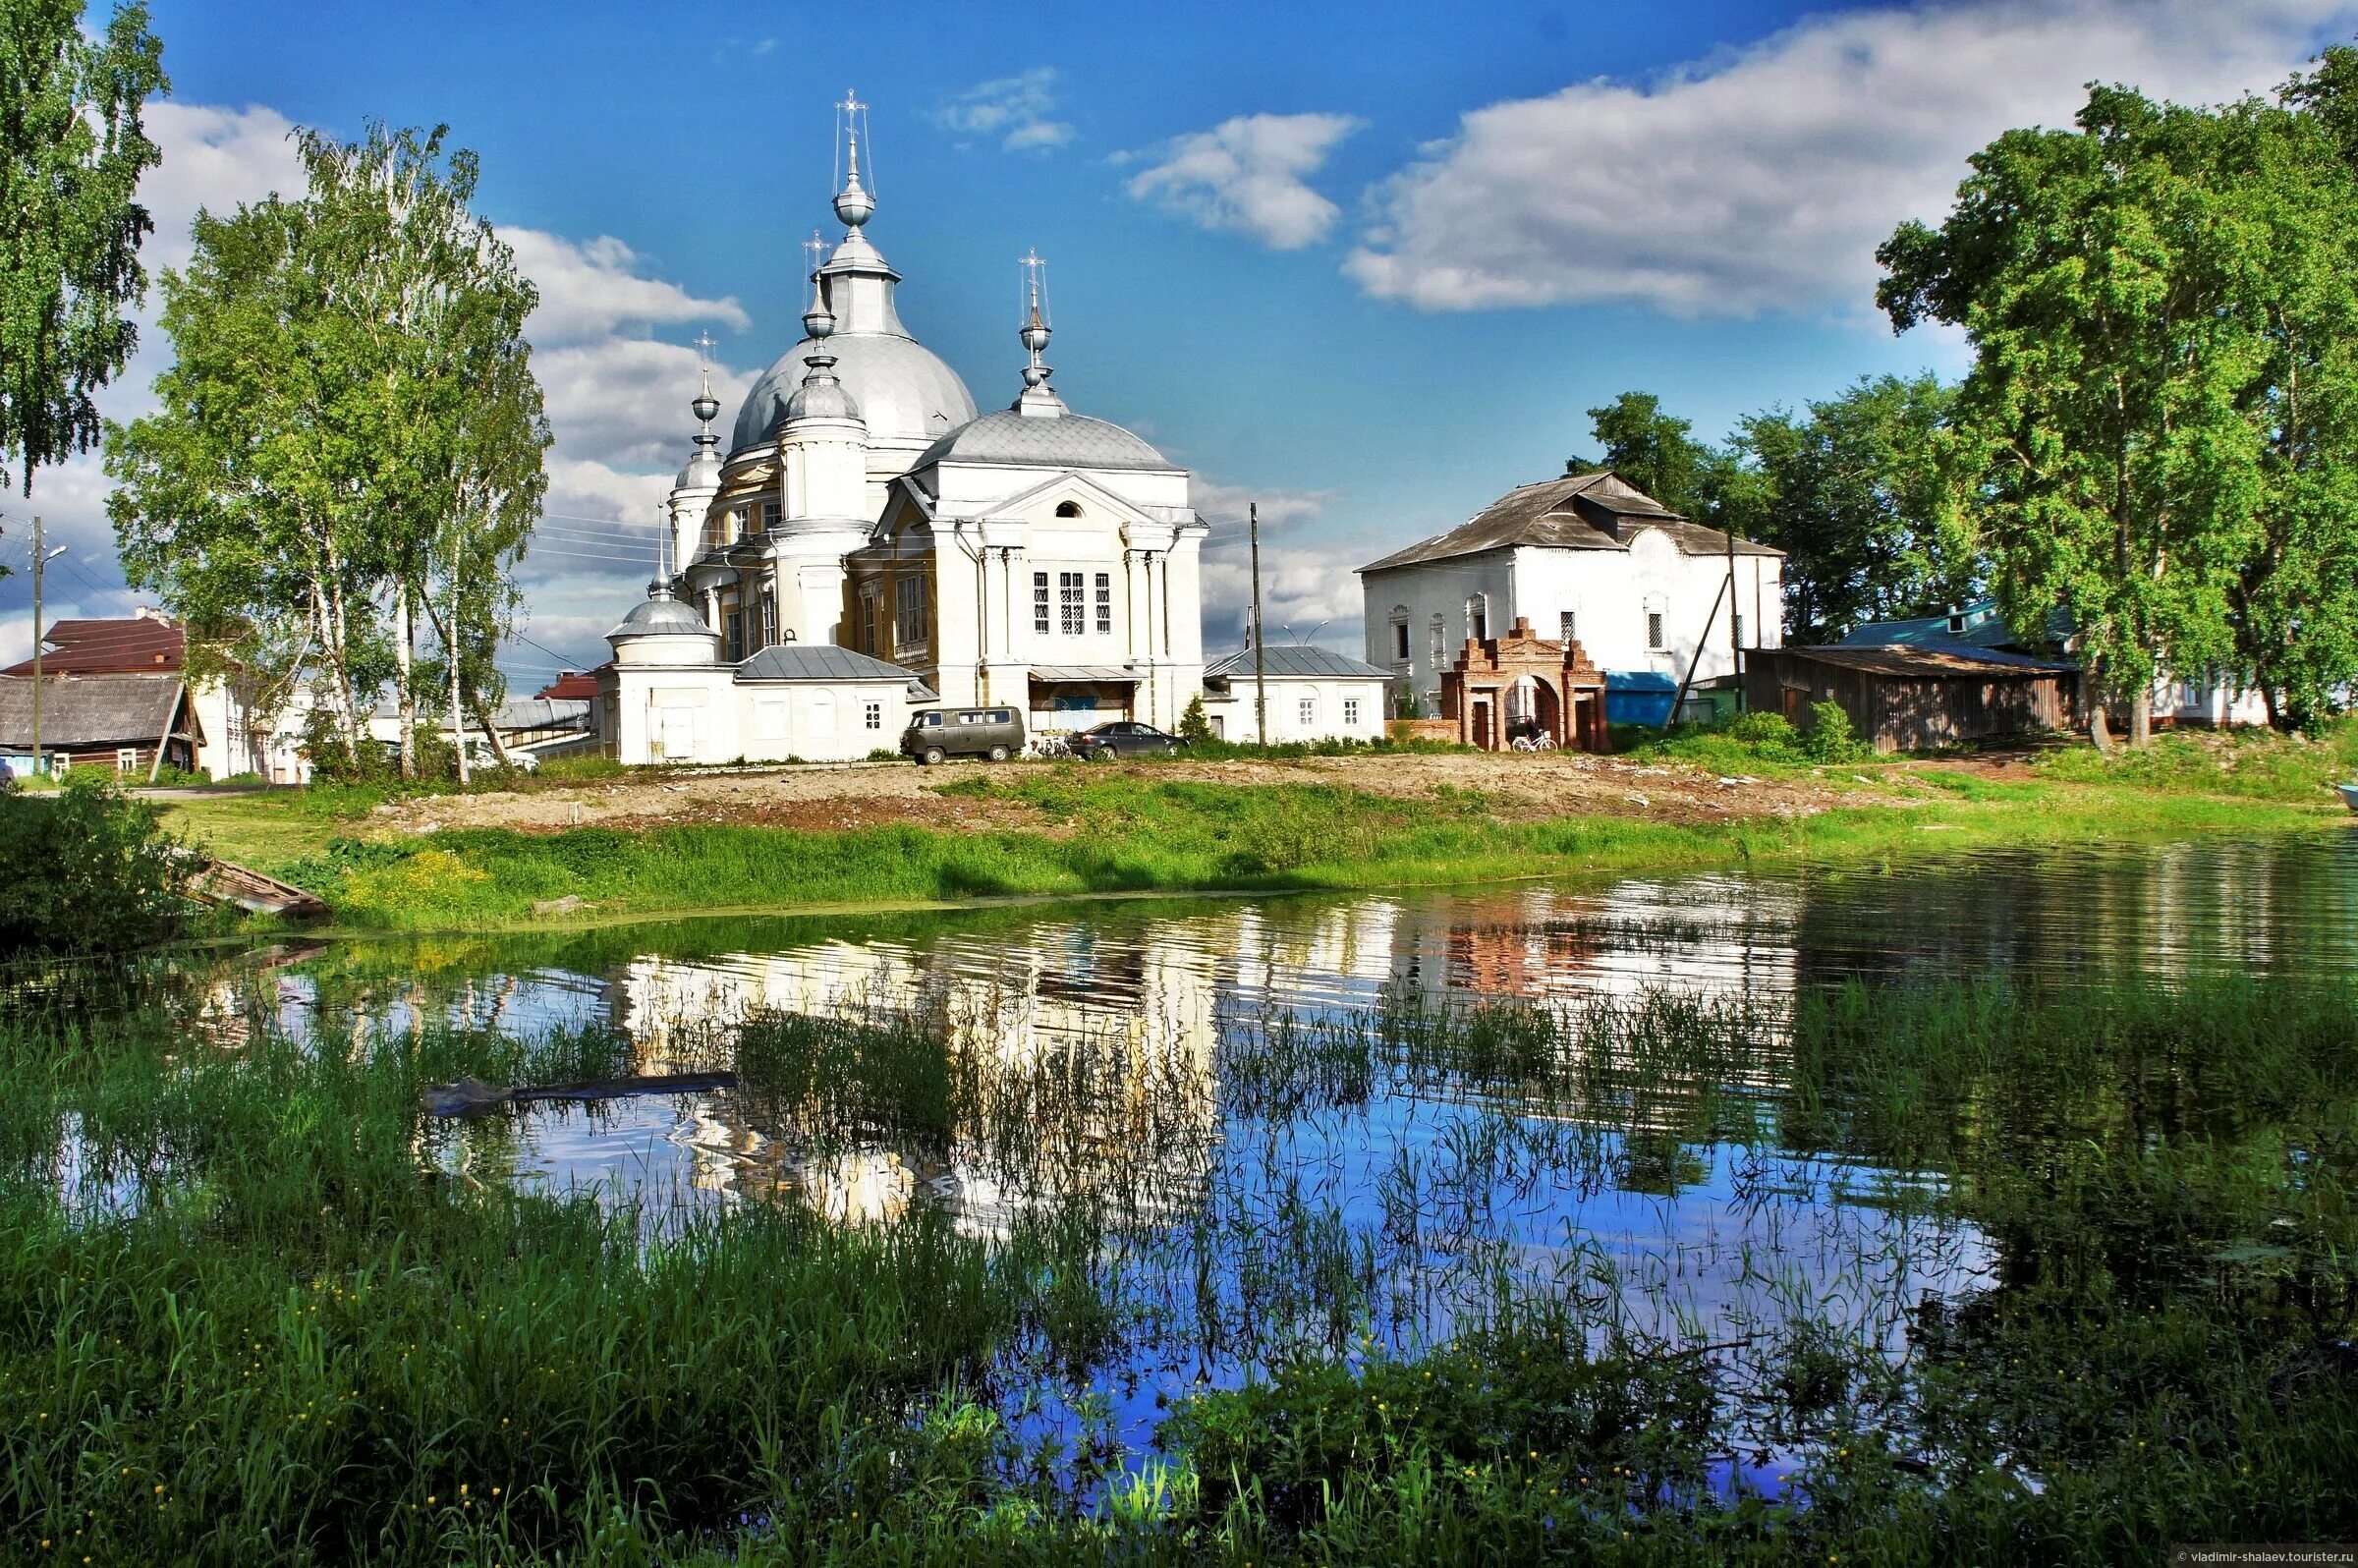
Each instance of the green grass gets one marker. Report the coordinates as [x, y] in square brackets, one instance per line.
[1131, 833]
[285, 1341]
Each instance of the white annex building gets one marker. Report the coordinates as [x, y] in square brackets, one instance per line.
[868, 544]
[1584, 557]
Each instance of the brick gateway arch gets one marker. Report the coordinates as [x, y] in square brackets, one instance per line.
[1568, 690]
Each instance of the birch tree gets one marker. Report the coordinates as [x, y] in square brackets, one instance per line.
[351, 442]
[71, 150]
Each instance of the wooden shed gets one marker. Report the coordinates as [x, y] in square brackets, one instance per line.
[1913, 699]
[121, 722]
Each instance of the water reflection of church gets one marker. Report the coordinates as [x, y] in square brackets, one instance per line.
[1130, 1017]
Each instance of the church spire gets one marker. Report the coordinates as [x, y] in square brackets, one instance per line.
[853, 204]
[818, 322]
[1037, 397]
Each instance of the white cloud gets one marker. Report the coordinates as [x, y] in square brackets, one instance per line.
[1763, 178]
[1013, 110]
[1303, 582]
[1250, 174]
[591, 289]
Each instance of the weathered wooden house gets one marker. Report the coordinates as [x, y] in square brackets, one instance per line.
[1914, 699]
[126, 723]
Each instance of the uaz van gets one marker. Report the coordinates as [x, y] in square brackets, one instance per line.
[936, 733]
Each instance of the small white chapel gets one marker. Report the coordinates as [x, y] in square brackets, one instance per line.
[868, 544]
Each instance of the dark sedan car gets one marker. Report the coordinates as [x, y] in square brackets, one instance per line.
[1123, 738]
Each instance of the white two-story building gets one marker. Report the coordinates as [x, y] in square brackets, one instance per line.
[1584, 557]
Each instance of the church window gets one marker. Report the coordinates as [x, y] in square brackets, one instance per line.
[1039, 602]
[1653, 629]
[770, 616]
[757, 519]
[909, 612]
[1072, 613]
[873, 715]
[1440, 643]
[1068, 509]
[1350, 712]
[1478, 616]
[735, 621]
[1400, 641]
[1563, 626]
[869, 603]
[1310, 713]
[1105, 602]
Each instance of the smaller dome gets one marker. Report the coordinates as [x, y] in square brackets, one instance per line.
[1065, 441]
[820, 396]
[659, 615]
[702, 472]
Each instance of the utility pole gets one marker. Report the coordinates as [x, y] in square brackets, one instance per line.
[1735, 640]
[40, 559]
[1260, 678]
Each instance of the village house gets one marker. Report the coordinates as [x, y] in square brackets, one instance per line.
[1585, 559]
[232, 728]
[1314, 694]
[133, 724]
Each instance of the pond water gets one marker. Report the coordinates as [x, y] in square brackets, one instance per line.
[1117, 1057]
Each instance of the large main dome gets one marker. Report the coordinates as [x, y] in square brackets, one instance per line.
[905, 392]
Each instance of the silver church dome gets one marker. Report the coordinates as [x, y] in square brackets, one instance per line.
[902, 388]
[659, 615]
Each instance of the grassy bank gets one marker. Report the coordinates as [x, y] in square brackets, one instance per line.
[1132, 833]
[250, 1314]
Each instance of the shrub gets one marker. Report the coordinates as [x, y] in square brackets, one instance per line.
[1829, 738]
[87, 869]
[1194, 728]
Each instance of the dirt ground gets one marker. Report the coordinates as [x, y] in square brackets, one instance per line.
[1551, 784]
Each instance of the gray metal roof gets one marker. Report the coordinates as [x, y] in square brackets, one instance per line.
[816, 661]
[1085, 672]
[902, 388]
[79, 711]
[659, 615]
[1056, 441]
[1576, 512]
[1295, 660]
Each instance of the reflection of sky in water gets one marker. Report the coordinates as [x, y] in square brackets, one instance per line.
[1423, 1200]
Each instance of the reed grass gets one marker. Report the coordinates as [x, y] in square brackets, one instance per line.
[247, 1315]
[1132, 833]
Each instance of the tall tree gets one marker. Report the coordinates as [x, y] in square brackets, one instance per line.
[2293, 173]
[351, 441]
[71, 148]
[2119, 478]
[1659, 453]
[1856, 495]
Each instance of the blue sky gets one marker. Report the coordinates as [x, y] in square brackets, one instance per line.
[1368, 263]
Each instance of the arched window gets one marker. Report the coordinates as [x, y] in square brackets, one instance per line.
[1478, 616]
[1068, 509]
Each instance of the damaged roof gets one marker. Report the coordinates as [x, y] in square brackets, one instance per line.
[1954, 660]
[1574, 512]
[80, 713]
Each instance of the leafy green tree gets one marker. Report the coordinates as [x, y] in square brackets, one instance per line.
[2292, 170]
[2095, 272]
[1195, 725]
[71, 150]
[1659, 453]
[1856, 495]
[351, 437]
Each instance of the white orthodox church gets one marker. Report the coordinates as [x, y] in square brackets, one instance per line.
[870, 545]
